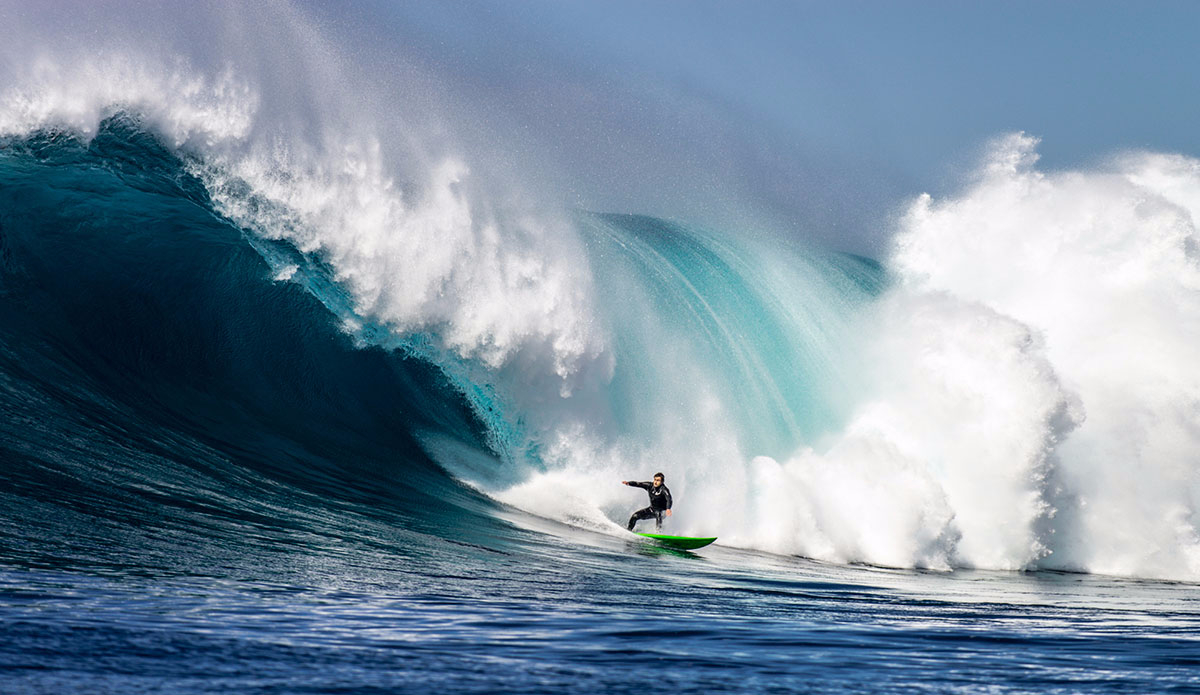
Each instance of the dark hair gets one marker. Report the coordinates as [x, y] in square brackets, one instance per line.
[660, 475]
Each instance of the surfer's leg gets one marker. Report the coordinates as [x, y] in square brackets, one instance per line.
[658, 520]
[639, 515]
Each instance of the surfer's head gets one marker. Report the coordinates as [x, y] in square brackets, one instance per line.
[658, 479]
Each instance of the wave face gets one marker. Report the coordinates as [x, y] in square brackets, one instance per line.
[157, 375]
[213, 285]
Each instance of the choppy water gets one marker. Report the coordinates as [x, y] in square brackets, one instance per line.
[569, 613]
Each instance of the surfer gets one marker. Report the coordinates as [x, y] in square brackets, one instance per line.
[660, 501]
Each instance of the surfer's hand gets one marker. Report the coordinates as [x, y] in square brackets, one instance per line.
[624, 482]
[668, 512]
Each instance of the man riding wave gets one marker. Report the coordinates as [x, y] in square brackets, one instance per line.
[660, 502]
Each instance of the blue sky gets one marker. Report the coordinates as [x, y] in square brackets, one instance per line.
[916, 78]
[827, 115]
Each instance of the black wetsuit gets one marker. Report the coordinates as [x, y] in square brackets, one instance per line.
[660, 501]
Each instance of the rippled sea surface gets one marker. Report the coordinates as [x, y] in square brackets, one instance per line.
[576, 612]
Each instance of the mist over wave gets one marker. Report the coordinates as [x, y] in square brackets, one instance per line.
[1014, 388]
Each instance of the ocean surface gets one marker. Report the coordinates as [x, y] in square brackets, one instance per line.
[287, 408]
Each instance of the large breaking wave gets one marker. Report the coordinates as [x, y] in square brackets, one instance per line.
[1013, 388]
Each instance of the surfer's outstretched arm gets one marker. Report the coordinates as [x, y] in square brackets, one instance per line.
[644, 486]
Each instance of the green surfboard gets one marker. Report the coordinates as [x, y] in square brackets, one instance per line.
[680, 542]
